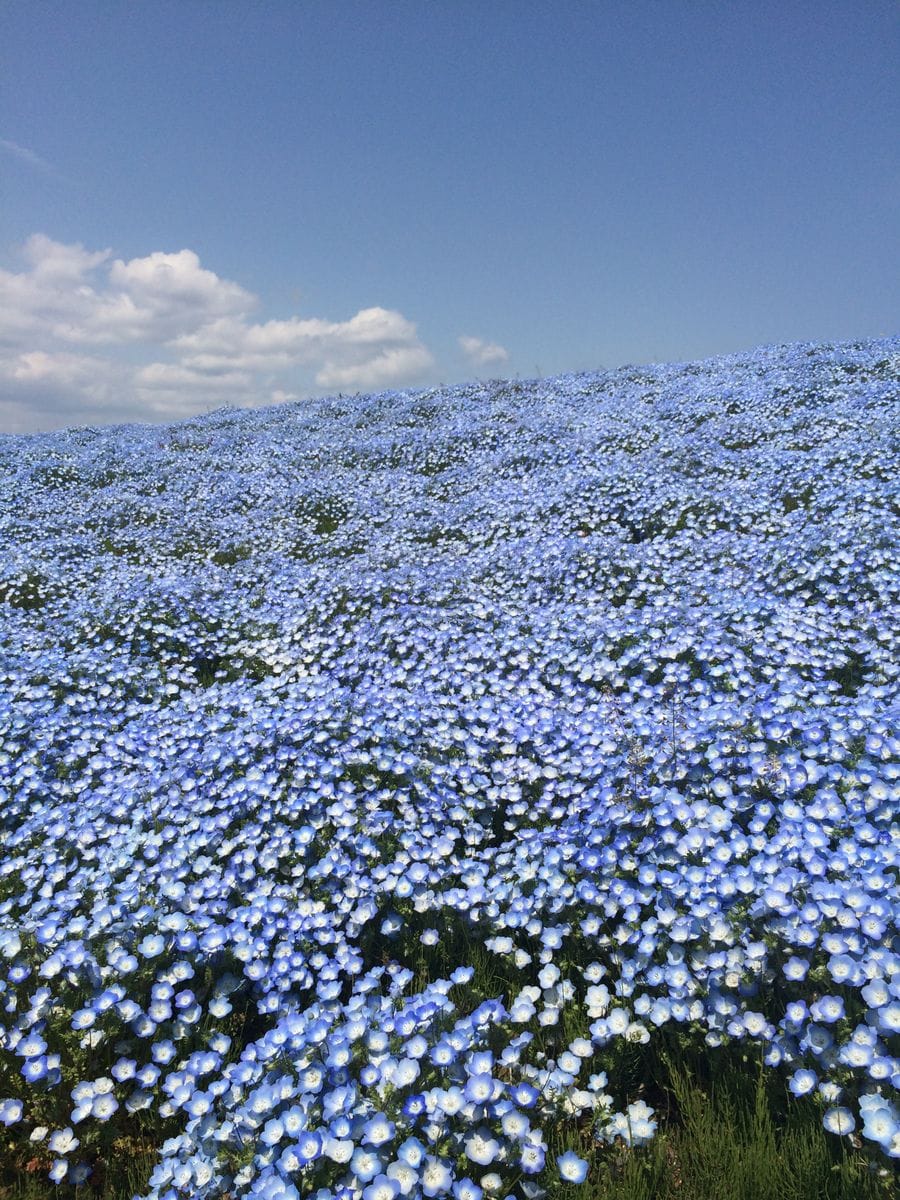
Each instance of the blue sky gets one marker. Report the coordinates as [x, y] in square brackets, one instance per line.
[209, 203]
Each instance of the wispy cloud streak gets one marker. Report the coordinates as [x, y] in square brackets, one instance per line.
[26, 155]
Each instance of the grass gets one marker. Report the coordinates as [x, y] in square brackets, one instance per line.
[727, 1138]
[124, 1176]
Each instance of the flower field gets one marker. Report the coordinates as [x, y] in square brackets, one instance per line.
[399, 793]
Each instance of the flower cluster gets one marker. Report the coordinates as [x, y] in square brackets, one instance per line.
[374, 769]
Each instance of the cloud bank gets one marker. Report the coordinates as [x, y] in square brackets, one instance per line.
[89, 338]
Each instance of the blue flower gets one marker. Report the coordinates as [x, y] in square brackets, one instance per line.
[481, 1146]
[308, 1147]
[479, 1088]
[467, 1189]
[152, 945]
[532, 1156]
[378, 1130]
[58, 1171]
[827, 1009]
[880, 1121]
[62, 1141]
[839, 1120]
[572, 1169]
[524, 1094]
[802, 1082]
[435, 1177]
[411, 1152]
[365, 1164]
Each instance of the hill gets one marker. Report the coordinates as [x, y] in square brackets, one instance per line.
[408, 791]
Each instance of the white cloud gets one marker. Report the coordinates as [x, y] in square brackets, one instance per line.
[162, 295]
[66, 370]
[388, 368]
[481, 353]
[64, 293]
[168, 338]
[51, 260]
[374, 348]
[173, 390]
[42, 389]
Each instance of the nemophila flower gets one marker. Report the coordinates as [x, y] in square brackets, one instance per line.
[876, 993]
[548, 975]
[479, 1088]
[79, 1173]
[481, 1147]
[635, 1126]
[62, 1141]
[818, 1039]
[515, 1124]
[449, 1101]
[417, 1047]
[839, 1120]
[435, 1177]
[795, 969]
[293, 1119]
[572, 1169]
[143, 1026]
[404, 1176]
[881, 1123]
[378, 1130]
[597, 1000]
[802, 1082]
[58, 1170]
[147, 1075]
[103, 1106]
[138, 1101]
[163, 1052]
[842, 968]
[856, 1054]
[35, 1069]
[411, 1152]
[365, 1165]
[827, 1009]
[272, 1132]
[522, 1010]
[618, 1021]
[830, 1091]
[308, 1146]
[524, 1094]
[531, 1158]
[31, 1046]
[369, 1075]
[414, 1106]
[383, 1187]
[442, 1054]
[466, 1189]
[151, 946]
[795, 1013]
[889, 1017]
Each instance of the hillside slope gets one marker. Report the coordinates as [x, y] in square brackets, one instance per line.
[323, 706]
